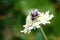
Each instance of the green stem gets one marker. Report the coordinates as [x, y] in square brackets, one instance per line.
[43, 33]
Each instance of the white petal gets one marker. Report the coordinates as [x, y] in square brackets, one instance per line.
[30, 28]
[29, 31]
[22, 31]
[47, 12]
[37, 26]
[51, 16]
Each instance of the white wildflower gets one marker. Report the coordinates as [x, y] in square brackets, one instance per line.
[34, 19]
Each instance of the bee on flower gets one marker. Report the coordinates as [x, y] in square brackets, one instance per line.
[35, 18]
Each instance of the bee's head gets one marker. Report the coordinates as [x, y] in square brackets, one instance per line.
[34, 14]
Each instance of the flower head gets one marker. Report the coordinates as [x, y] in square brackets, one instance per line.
[35, 18]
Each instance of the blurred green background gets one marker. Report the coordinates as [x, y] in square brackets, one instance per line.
[13, 15]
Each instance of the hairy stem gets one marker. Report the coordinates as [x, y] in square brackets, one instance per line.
[43, 33]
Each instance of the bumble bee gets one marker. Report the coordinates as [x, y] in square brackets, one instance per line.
[34, 14]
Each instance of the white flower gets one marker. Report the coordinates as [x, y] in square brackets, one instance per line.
[35, 18]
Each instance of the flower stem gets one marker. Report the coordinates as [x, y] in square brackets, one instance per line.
[43, 33]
